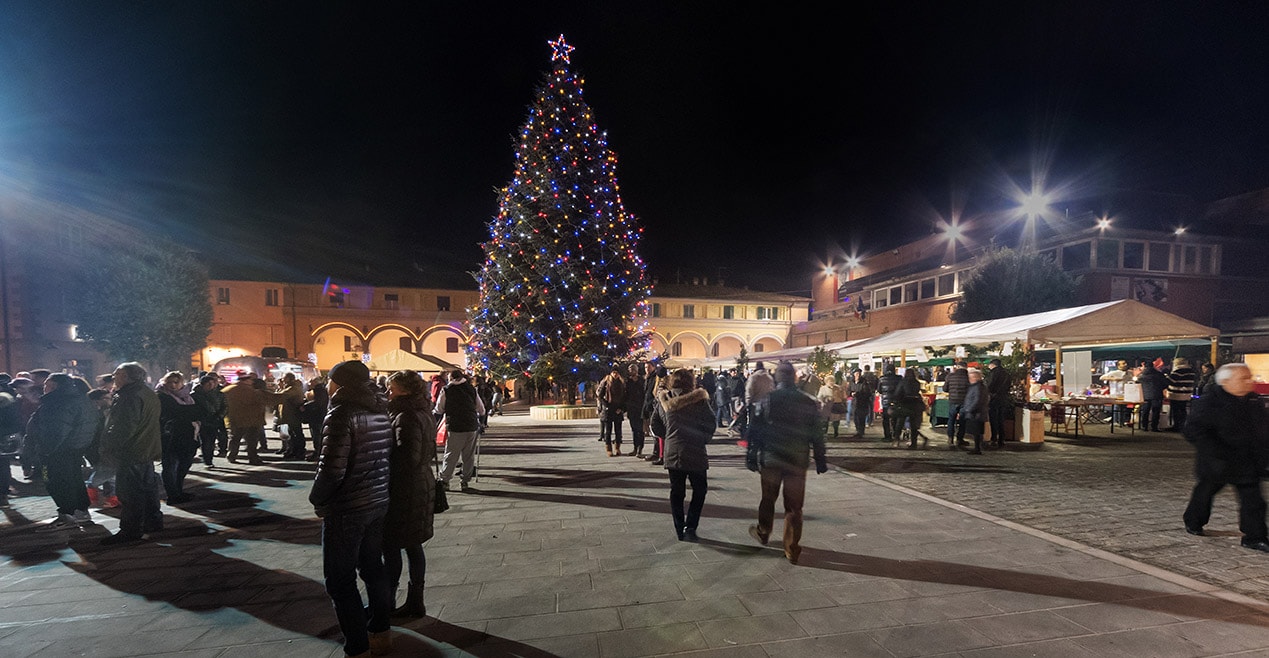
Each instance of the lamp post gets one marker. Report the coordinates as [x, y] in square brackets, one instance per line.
[1034, 205]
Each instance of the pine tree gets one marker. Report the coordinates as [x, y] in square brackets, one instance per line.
[562, 291]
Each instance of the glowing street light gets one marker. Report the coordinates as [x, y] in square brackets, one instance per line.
[1035, 204]
[1180, 230]
[1103, 223]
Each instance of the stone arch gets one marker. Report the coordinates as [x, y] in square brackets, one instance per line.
[330, 341]
[657, 344]
[768, 342]
[692, 345]
[440, 340]
[727, 344]
[388, 337]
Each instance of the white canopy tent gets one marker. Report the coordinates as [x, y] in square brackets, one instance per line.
[1121, 322]
[398, 359]
[792, 354]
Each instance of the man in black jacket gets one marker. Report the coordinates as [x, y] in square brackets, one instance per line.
[462, 409]
[886, 385]
[1230, 432]
[780, 439]
[350, 494]
[999, 405]
[1153, 384]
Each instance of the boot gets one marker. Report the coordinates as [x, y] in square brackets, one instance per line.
[413, 606]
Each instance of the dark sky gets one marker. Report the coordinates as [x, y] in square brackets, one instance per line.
[324, 135]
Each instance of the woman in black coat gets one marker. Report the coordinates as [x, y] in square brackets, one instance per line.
[683, 417]
[411, 486]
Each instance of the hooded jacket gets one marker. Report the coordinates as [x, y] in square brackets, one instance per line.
[686, 422]
[65, 422]
[412, 484]
[353, 471]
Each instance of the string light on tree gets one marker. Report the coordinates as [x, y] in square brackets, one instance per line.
[562, 289]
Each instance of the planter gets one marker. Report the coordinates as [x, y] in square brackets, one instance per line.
[563, 412]
[1029, 425]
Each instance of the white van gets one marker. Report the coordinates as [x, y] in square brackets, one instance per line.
[264, 368]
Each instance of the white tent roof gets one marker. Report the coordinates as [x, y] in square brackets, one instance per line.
[1124, 321]
[787, 354]
[398, 359]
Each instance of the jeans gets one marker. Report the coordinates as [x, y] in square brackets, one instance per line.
[137, 486]
[1150, 410]
[794, 484]
[1251, 507]
[459, 445]
[392, 565]
[678, 491]
[66, 481]
[606, 430]
[178, 457]
[1178, 412]
[955, 423]
[636, 431]
[863, 408]
[253, 435]
[352, 544]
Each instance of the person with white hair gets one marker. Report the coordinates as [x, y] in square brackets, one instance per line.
[1230, 432]
[974, 409]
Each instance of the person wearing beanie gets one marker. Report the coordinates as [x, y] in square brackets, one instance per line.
[350, 494]
[782, 438]
[684, 419]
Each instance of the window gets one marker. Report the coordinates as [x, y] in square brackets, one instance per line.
[451, 345]
[1206, 264]
[713, 351]
[947, 284]
[656, 309]
[1108, 254]
[348, 344]
[1134, 255]
[689, 310]
[442, 303]
[391, 300]
[271, 297]
[337, 299]
[1160, 253]
[1050, 254]
[222, 295]
[927, 288]
[910, 292]
[729, 312]
[879, 299]
[896, 295]
[1076, 256]
[676, 349]
[773, 313]
[758, 347]
[406, 344]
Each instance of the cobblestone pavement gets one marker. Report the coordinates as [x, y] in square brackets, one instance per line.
[1121, 493]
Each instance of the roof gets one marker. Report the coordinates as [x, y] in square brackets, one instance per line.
[723, 293]
[1122, 322]
[398, 359]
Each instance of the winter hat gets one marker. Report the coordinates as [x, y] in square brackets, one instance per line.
[349, 373]
[785, 372]
[994, 362]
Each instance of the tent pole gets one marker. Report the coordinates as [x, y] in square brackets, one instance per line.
[1215, 349]
[1057, 353]
[903, 358]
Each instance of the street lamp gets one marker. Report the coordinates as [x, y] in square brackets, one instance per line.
[1033, 206]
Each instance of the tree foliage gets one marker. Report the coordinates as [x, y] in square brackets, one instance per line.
[1006, 283]
[822, 362]
[143, 302]
[562, 288]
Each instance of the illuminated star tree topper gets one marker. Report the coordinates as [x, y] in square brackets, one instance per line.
[563, 291]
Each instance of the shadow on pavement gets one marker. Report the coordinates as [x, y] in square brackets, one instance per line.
[860, 464]
[571, 477]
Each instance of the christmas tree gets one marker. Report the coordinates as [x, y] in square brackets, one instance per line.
[562, 290]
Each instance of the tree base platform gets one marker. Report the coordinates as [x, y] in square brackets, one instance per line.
[563, 412]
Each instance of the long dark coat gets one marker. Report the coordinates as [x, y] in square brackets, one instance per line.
[1230, 437]
[412, 484]
[684, 419]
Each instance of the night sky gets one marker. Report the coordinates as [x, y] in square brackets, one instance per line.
[328, 138]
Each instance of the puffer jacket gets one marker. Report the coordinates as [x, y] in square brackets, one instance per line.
[684, 419]
[1230, 435]
[352, 474]
[957, 385]
[790, 430]
[886, 385]
[413, 484]
[65, 422]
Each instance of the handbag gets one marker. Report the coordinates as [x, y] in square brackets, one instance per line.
[440, 502]
[838, 408]
[10, 444]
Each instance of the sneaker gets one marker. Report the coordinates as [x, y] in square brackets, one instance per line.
[82, 517]
[757, 535]
[62, 522]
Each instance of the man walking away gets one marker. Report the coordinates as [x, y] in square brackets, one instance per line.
[350, 494]
[462, 409]
[1230, 432]
[956, 385]
[780, 438]
[133, 442]
[886, 386]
